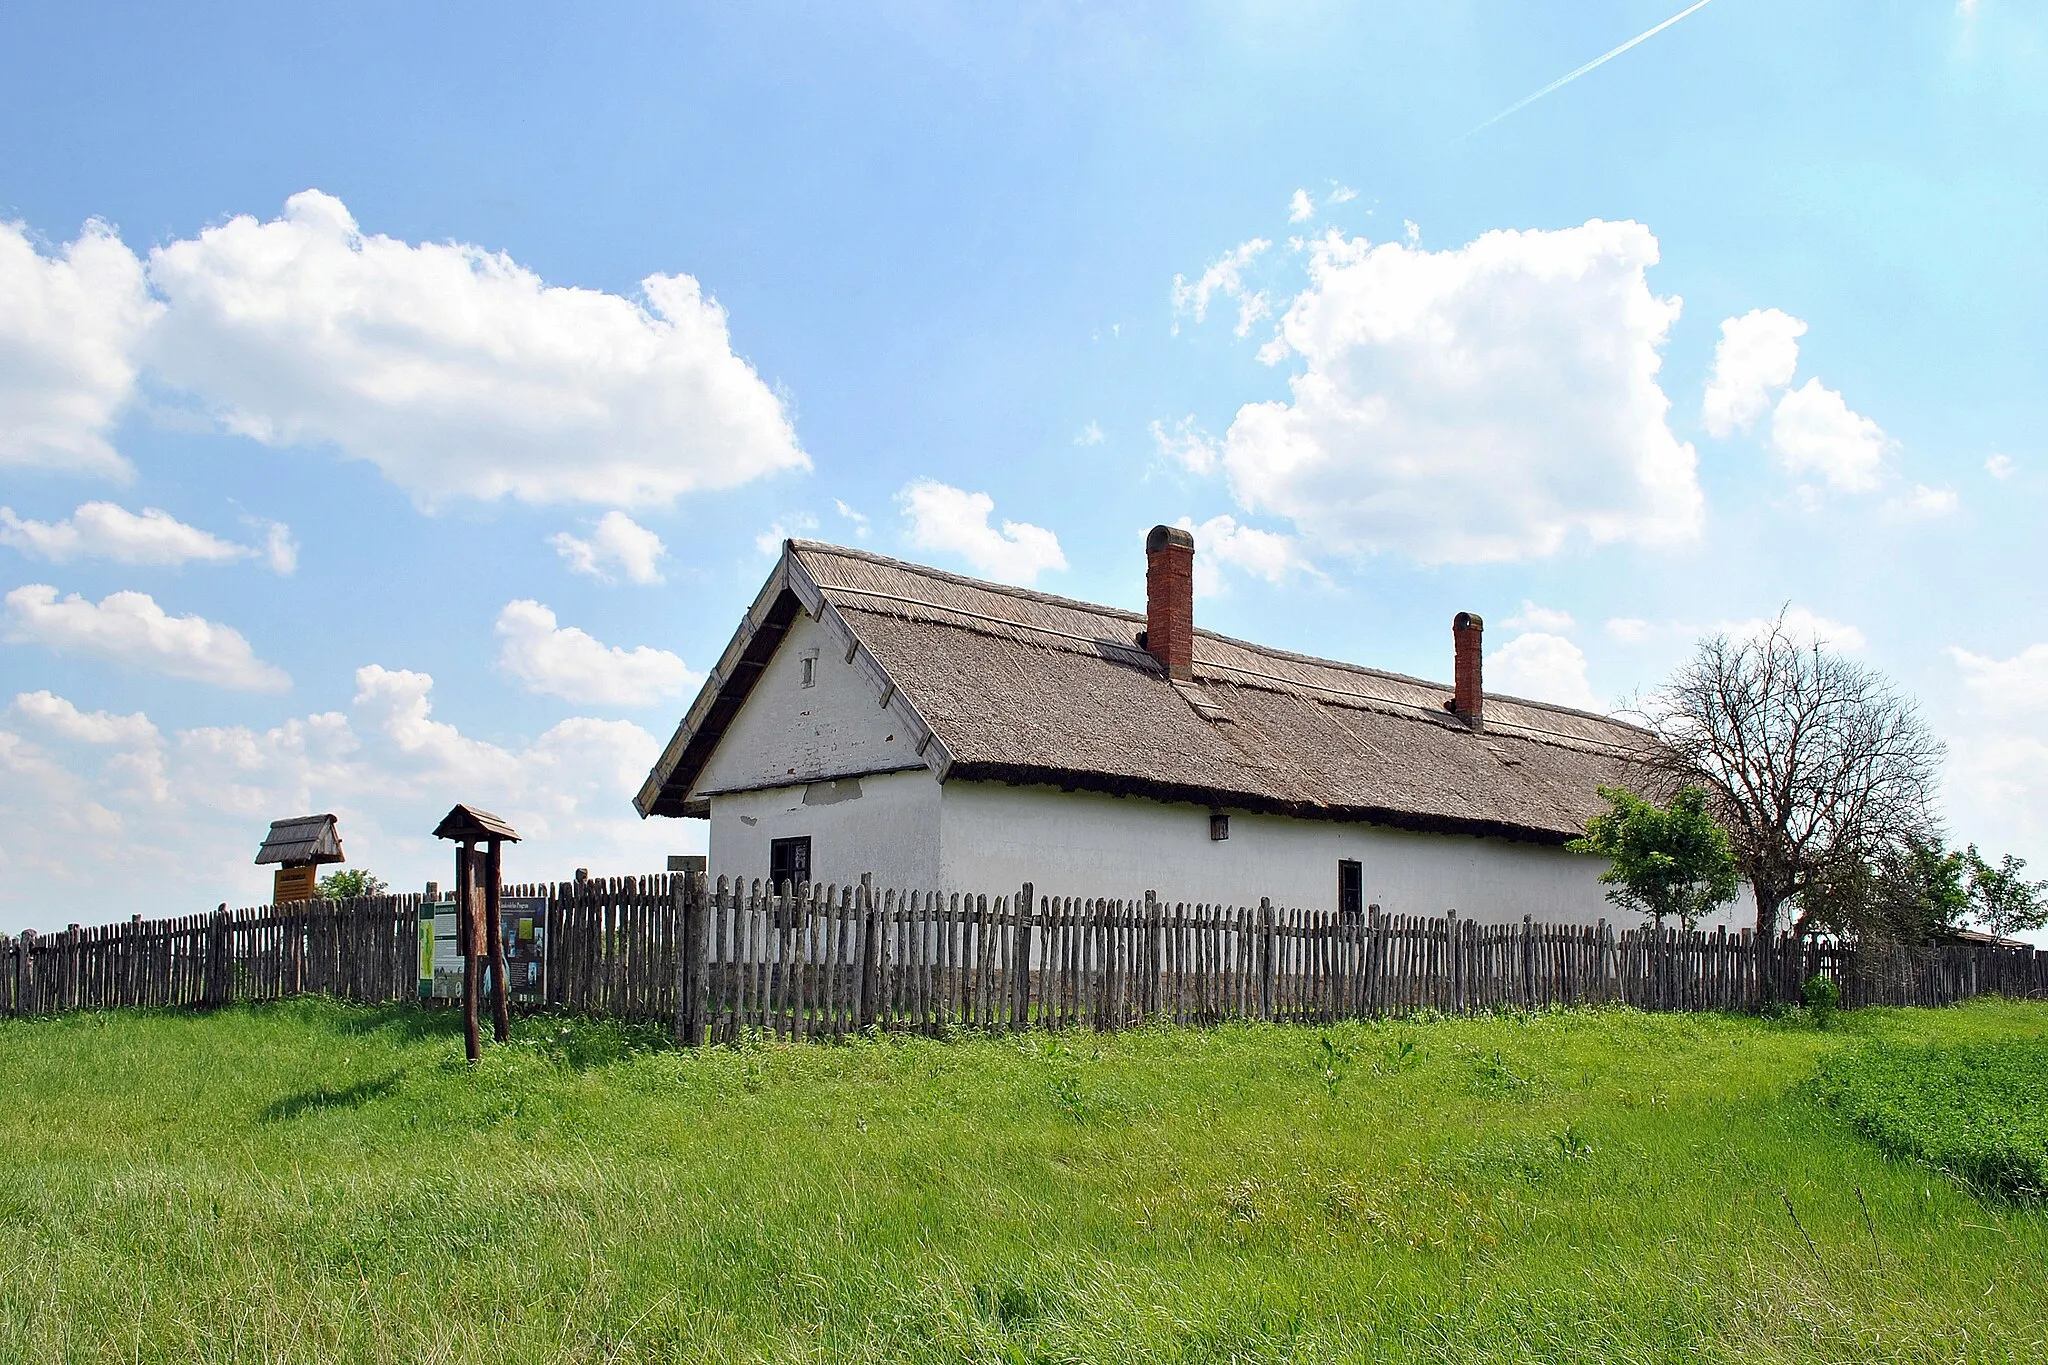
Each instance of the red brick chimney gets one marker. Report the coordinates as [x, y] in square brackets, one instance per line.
[1170, 599]
[1469, 697]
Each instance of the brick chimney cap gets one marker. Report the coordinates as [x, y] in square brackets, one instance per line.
[1468, 620]
[1163, 536]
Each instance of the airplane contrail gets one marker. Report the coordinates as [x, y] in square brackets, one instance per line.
[1600, 60]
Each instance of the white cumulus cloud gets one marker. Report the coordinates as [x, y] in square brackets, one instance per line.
[130, 628]
[1221, 542]
[1541, 667]
[1187, 445]
[1546, 619]
[64, 719]
[69, 327]
[565, 662]
[1301, 208]
[1225, 276]
[953, 521]
[1756, 357]
[97, 809]
[1816, 433]
[456, 371]
[2000, 467]
[105, 530]
[1486, 403]
[618, 545]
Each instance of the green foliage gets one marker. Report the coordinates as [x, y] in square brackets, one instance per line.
[1823, 997]
[2001, 901]
[317, 1182]
[1978, 1111]
[350, 883]
[1668, 860]
[1914, 890]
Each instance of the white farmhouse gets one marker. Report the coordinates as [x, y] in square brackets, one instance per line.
[941, 733]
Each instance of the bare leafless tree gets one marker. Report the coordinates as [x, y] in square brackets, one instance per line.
[1814, 759]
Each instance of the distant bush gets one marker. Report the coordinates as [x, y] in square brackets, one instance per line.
[351, 883]
[1978, 1111]
[1822, 997]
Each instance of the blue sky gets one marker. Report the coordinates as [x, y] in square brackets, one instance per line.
[302, 284]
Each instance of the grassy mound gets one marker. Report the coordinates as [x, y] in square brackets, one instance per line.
[1976, 1110]
[312, 1182]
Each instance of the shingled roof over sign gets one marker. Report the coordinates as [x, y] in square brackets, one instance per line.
[1003, 684]
[300, 841]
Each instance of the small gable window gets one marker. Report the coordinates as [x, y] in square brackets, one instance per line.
[807, 671]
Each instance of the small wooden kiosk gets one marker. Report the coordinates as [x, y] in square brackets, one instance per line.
[299, 845]
[480, 908]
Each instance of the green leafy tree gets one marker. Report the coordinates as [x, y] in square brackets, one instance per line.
[2001, 901]
[1909, 890]
[351, 884]
[1813, 760]
[1668, 860]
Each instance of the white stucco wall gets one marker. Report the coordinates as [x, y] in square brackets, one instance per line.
[968, 836]
[1077, 843]
[890, 829]
[787, 733]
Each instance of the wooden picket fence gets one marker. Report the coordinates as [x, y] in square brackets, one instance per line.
[810, 961]
[819, 961]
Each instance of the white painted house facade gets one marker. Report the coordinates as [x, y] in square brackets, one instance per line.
[940, 733]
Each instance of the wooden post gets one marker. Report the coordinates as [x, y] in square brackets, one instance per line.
[1268, 967]
[1020, 975]
[470, 927]
[868, 992]
[693, 961]
[219, 987]
[494, 928]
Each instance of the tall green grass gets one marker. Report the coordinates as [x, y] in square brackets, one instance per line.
[308, 1182]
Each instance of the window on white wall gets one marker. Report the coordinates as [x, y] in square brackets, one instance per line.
[789, 860]
[808, 672]
[1350, 889]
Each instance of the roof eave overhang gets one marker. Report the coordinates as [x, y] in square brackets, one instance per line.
[790, 589]
[1110, 784]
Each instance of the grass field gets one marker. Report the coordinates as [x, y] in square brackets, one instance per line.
[309, 1182]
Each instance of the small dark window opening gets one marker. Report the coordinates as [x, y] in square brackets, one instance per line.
[1350, 890]
[1219, 824]
[789, 860]
[809, 670]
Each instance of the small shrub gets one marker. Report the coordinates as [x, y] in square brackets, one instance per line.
[1823, 997]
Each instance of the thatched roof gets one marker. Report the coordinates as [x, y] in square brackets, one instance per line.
[301, 841]
[1004, 684]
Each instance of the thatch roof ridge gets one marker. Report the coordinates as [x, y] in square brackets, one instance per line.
[1632, 736]
[1007, 684]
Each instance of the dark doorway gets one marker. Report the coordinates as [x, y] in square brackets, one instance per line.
[789, 860]
[1350, 890]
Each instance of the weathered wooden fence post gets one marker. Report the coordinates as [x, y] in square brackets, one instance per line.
[868, 992]
[693, 955]
[1020, 957]
[219, 986]
[1268, 959]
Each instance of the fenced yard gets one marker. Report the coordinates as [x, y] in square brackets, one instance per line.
[820, 961]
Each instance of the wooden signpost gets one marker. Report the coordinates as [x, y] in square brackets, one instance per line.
[298, 846]
[479, 905]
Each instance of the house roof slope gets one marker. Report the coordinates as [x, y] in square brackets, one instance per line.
[1007, 684]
